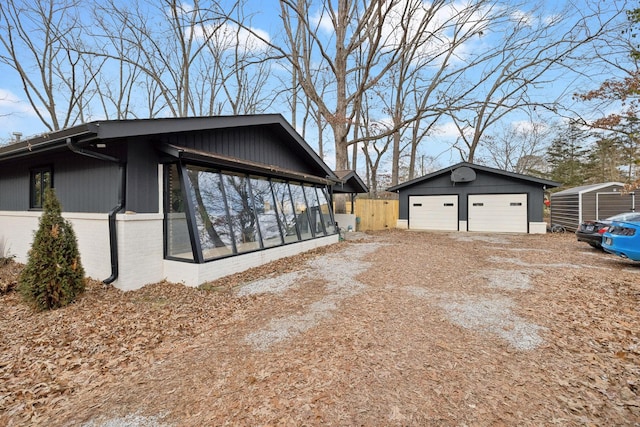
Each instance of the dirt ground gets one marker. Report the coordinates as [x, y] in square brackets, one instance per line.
[389, 328]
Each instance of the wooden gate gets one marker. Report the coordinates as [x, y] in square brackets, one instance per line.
[374, 214]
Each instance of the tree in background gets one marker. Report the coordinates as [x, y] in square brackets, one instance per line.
[622, 127]
[603, 161]
[53, 276]
[566, 157]
[39, 41]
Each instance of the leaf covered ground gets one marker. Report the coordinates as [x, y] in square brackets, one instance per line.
[390, 328]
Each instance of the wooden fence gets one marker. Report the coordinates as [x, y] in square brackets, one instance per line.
[374, 214]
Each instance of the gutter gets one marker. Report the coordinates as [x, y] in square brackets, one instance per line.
[113, 234]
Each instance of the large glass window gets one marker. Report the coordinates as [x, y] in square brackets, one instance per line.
[300, 206]
[314, 210]
[325, 211]
[241, 211]
[265, 209]
[286, 212]
[213, 225]
[41, 179]
[212, 213]
[178, 243]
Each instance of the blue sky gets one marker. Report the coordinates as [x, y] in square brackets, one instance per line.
[17, 116]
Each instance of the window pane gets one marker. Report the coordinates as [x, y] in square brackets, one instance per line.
[300, 206]
[325, 210]
[41, 179]
[211, 214]
[266, 212]
[243, 218]
[314, 209]
[285, 211]
[177, 234]
[36, 202]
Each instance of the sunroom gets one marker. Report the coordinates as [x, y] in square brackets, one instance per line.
[186, 199]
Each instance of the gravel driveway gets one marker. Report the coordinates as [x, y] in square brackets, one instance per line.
[388, 328]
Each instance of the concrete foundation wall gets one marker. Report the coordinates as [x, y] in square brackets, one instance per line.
[196, 274]
[140, 249]
[92, 233]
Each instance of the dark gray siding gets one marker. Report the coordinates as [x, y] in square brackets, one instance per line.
[142, 178]
[14, 188]
[485, 183]
[82, 184]
[258, 144]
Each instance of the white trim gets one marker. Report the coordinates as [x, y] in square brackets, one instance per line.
[537, 228]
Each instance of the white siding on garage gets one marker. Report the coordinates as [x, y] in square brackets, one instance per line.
[433, 212]
[498, 213]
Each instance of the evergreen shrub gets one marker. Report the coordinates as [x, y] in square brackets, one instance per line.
[53, 276]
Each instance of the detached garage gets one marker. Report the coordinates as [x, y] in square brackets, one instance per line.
[469, 197]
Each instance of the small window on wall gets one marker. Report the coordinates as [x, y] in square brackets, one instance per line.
[41, 179]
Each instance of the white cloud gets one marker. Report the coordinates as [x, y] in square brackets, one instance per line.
[17, 115]
[228, 36]
[10, 103]
[323, 22]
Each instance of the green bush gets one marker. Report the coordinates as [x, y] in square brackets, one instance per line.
[53, 276]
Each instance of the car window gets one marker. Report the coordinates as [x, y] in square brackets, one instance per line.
[627, 216]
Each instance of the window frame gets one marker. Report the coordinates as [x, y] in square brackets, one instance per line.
[33, 173]
[284, 186]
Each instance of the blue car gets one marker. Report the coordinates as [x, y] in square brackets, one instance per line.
[623, 239]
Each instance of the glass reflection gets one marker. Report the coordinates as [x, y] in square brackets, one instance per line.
[212, 222]
[178, 242]
[243, 219]
[286, 212]
[265, 209]
[300, 206]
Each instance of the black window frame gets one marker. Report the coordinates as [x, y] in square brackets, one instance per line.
[34, 173]
[190, 210]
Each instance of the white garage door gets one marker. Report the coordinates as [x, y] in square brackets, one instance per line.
[498, 212]
[433, 212]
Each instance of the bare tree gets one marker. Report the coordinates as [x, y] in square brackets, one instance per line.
[37, 41]
[519, 147]
[535, 50]
[356, 26]
[166, 43]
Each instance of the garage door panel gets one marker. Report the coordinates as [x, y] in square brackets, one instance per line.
[433, 212]
[498, 213]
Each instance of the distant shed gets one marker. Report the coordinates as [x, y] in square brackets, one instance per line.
[589, 202]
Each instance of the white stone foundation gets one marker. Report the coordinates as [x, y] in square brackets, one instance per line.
[140, 249]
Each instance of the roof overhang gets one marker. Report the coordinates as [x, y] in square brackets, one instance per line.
[350, 183]
[111, 130]
[238, 165]
[532, 179]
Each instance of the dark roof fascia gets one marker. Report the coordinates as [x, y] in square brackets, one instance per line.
[529, 178]
[352, 181]
[238, 165]
[117, 129]
[126, 128]
[48, 141]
